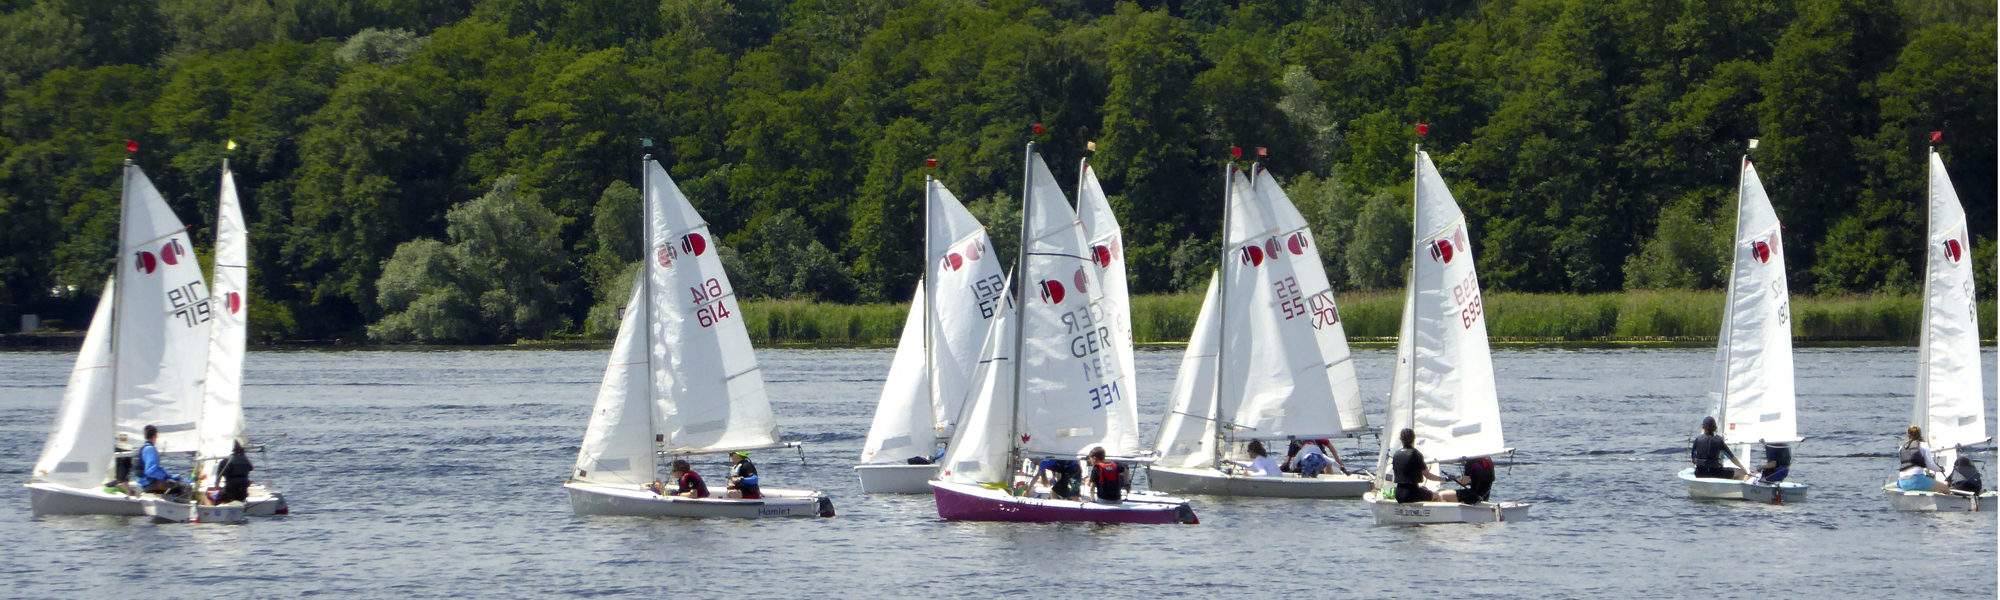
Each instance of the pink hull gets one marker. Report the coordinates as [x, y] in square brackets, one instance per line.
[955, 502]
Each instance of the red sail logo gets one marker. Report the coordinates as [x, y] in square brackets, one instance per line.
[171, 252]
[665, 255]
[1297, 243]
[1271, 247]
[972, 250]
[1101, 255]
[1052, 291]
[1082, 282]
[145, 262]
[1761, 250]
[953, 261]
[1253, 256]
[1952, 250]
[1441, 250]
[235, 303]
[694, 244]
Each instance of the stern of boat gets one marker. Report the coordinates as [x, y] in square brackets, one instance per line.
[1902, 501]
[895, 479]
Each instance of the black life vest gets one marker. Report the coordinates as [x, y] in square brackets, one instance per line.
[1409, 467]
[692, 482]
[1910, 456]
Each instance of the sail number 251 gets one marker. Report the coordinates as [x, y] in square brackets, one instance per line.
[709, 293]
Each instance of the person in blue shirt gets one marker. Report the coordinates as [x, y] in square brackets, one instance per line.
[743, 477]
[1065, 478]
[151, 476]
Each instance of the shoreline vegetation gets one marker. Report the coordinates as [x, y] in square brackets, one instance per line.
[1642, 318]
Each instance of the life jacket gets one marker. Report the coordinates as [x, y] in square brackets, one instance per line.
[1910, 456]
[1409, 467]
[1479, 464]
[691, 481]
[1107, 473]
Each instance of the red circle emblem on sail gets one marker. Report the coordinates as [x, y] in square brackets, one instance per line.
[235, 303]
[1297, 243]
[1052, 291]
[665, 255]
[694, 244]
[1271, 247]
[1441, 250]
[170, 252]
[1082, 281]
[1101, 255]
[146, 262]
[1952, 250]
[953, 261]
[1253, 256]
[972, 250]
[1761, 250]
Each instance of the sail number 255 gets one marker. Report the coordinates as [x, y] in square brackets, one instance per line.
[709, 293]
[1103, 395]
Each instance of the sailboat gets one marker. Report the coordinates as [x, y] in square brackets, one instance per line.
[1444, 388]
[682, 380]
[938, 355]
[1950, 402]
[221, 425]
[1753, 357]
[1270, 345]
[1051, 388]
[142, 363]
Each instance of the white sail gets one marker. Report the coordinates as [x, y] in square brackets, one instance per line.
[1444, 374]
[1286, 351]
[1105, 249]
[979, 449]
[1071, 395]
[1950, 404]
[968, 282]
[222, 400]
[1754, 354]
[707, 390]
[1187, 438]
[79, 450]
[903, 425]
[161, 337]
[618, 443]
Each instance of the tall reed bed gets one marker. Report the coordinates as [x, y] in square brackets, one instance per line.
[1648, 315]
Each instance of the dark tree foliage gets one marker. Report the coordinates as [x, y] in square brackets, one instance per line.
[1594, 144]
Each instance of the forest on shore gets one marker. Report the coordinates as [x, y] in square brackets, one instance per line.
[463, 171]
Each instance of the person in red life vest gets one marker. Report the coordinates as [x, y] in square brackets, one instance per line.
[1107, 477]
[687, 483]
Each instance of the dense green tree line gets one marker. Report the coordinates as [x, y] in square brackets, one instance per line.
[463, 170]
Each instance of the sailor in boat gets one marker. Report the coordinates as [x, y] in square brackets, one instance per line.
[121, 473]
[1965, 478]
[1065, 478]
[1310, 459]
[743, 477]
[1411, 472]
[1478, 481]
[1707, 453]
[1261, 464]
[687, 483]
[152, 477]
[1777, 462]
[1915, 465]
[1107, 478]
[235, 474]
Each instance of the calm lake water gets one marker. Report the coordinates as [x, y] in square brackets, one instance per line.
[427, 474]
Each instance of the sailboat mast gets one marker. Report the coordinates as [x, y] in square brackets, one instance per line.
[646, 258]
[930, 308]
[1021, 301]
[1921, 416]
[1416, 197]
[117, 289]
[1729, 299]
[1222, 319]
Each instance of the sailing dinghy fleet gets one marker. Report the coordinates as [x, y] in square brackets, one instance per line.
[161, 351]
[1000, 368]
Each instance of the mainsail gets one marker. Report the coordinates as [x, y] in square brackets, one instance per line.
[938, 354]
[1105, 244]
[222, 400]
[160, 341]
[1754, 355]
[1949, 402]
[1444, 386]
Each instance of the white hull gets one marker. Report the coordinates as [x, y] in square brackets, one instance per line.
[896, 479]
[265, 503]
[162, 509]
[1904, 501]
[1216, 483]
[632, 501]
[52, 499]
[1704, 488]
[1390, 512]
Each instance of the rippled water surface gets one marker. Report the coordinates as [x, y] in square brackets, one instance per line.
[438, 474]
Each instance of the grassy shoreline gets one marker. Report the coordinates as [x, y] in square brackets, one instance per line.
[1628, 319]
